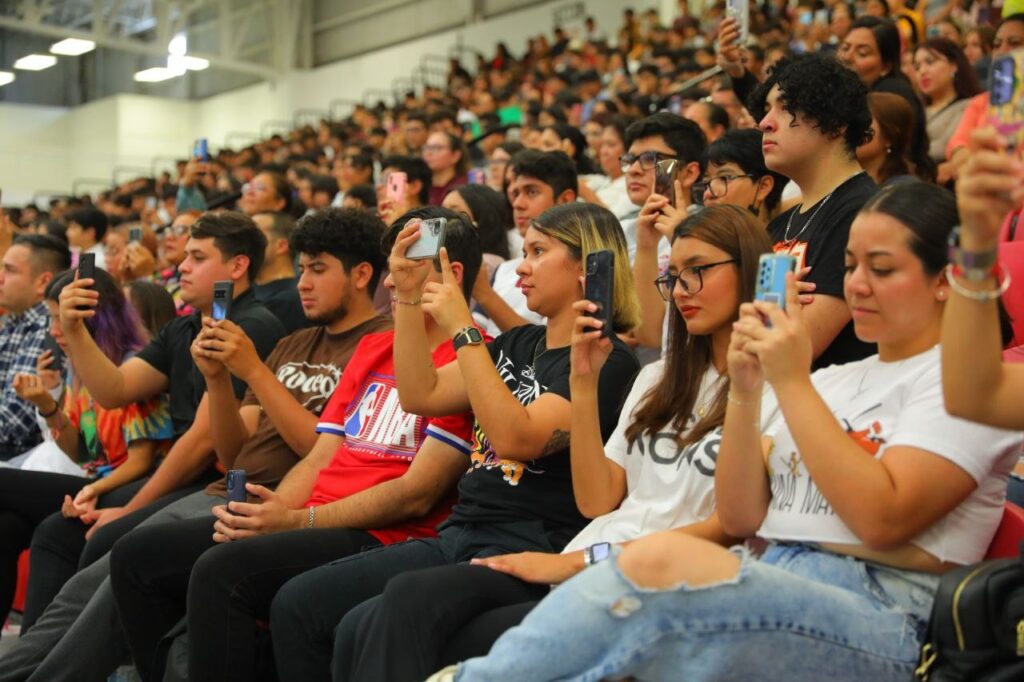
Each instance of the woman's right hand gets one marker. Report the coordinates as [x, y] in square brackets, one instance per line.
[590, 348]
[75, 295]
[408, 275]
[50, 377]
[990, 187]
[745, 373]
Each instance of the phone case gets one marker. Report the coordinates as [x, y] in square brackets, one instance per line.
[1006, 98]
[665, 179]
[134, 235]
[236, 485]
[50, 344]
[396, 186]
[740, 10]
[431, 240]
[771, 277]
[86, 270]
[599, 286]
[222, 294]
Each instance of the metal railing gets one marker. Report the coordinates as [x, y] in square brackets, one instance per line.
[95, 182]
[134, 170]
[242, 136]
[274, 126]
[303, 116]
[381, 95]
[336, 105]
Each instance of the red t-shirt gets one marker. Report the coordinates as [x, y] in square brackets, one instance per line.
[381, 439]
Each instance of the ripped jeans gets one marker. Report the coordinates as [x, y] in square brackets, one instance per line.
[796, 614]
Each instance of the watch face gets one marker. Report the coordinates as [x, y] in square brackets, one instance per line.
[474, 335]
[600, 551]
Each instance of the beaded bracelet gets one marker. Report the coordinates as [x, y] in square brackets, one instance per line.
[395, 299]
[952, 272]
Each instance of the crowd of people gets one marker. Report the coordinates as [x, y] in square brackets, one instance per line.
[459, 468]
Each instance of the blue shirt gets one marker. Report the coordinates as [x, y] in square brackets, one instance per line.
[21, 343]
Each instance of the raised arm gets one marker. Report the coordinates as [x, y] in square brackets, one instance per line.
[598, 483]
[109, 385]
[422, 389]
[977, 385]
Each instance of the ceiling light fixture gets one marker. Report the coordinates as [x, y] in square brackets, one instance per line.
[72, 47]
[35, 62]
[6, 77]
[155, 75]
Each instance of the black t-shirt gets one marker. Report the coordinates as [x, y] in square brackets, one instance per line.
[170, 354]
[496, 490]
[818, 238]
[281, 297]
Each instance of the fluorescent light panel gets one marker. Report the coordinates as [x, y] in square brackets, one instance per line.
[6, 77]
[35, 62]
[72, 47]
[154, 75]
[196, 63]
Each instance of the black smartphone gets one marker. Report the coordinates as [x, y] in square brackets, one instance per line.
[50, 344]
[665, 179]
[223, 293]
[134, 235]
[599, 286]
[236, 485]
[86, 270]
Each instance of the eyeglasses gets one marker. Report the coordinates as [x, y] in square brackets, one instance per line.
[178, 230]
[647, 160]
[718, 187]
[691, 279]
[435, 148]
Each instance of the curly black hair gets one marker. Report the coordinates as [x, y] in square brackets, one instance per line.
[350, 235]
[823, 91]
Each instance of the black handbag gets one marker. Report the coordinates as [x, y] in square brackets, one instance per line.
[976, 629]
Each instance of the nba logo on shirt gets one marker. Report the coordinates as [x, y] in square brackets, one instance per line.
[354, 425]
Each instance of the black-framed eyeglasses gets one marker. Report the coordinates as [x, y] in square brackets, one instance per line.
[718, 187]
[691, 279]
[647, 160]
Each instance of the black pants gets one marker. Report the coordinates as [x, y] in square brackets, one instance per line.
[427, 619]
[157, 570]
[309, 612]
[26, 498]
[59, 548]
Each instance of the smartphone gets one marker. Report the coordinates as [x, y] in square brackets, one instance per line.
[201, 150]
[236, 485]
[431, 239]
[223, 293]
[396, 187]
[86, 270]
[771, 277]
[134, 235]
[665, 179]
[599, 286]
[476, 176]
[50, 344]
[740, 11]
[1006, 99]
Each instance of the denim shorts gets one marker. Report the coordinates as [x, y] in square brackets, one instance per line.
[798, 613]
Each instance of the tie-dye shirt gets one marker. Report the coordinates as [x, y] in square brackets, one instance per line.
[106, 434]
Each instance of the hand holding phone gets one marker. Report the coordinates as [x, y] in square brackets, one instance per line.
[87, 270]
[740, 11]
[223, 294]
[599, 287]
[1006, 99]
[431, 240]
[396, 187]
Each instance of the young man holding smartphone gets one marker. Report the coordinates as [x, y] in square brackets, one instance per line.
[375, 475]
[223, 246]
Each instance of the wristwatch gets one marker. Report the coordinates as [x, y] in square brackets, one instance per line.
[599, 551]
[974, 266]
[469, 336]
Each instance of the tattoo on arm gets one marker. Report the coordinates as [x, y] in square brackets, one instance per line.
[559, 441]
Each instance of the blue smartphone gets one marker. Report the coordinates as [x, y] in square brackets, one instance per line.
[771, 277]
[236, 485]
[222, 294]
[201, 150]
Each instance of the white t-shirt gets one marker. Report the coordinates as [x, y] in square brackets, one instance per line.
[667, 487]
[883, 405]
[504, 285]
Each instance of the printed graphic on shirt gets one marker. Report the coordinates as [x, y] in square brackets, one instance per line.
[311, 384]
[662, 449]
[793, 248]
[526, 389]
[376, 423]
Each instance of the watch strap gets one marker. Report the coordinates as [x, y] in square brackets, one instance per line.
[468, 336]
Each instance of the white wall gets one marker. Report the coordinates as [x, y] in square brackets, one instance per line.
[47, 148]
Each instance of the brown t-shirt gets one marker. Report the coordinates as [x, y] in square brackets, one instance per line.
[309, 363]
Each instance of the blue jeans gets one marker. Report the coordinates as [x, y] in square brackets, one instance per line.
[796, 614]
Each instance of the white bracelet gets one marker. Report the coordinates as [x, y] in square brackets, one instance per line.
[311, 518]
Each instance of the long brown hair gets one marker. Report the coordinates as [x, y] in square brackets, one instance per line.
[671, 401]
